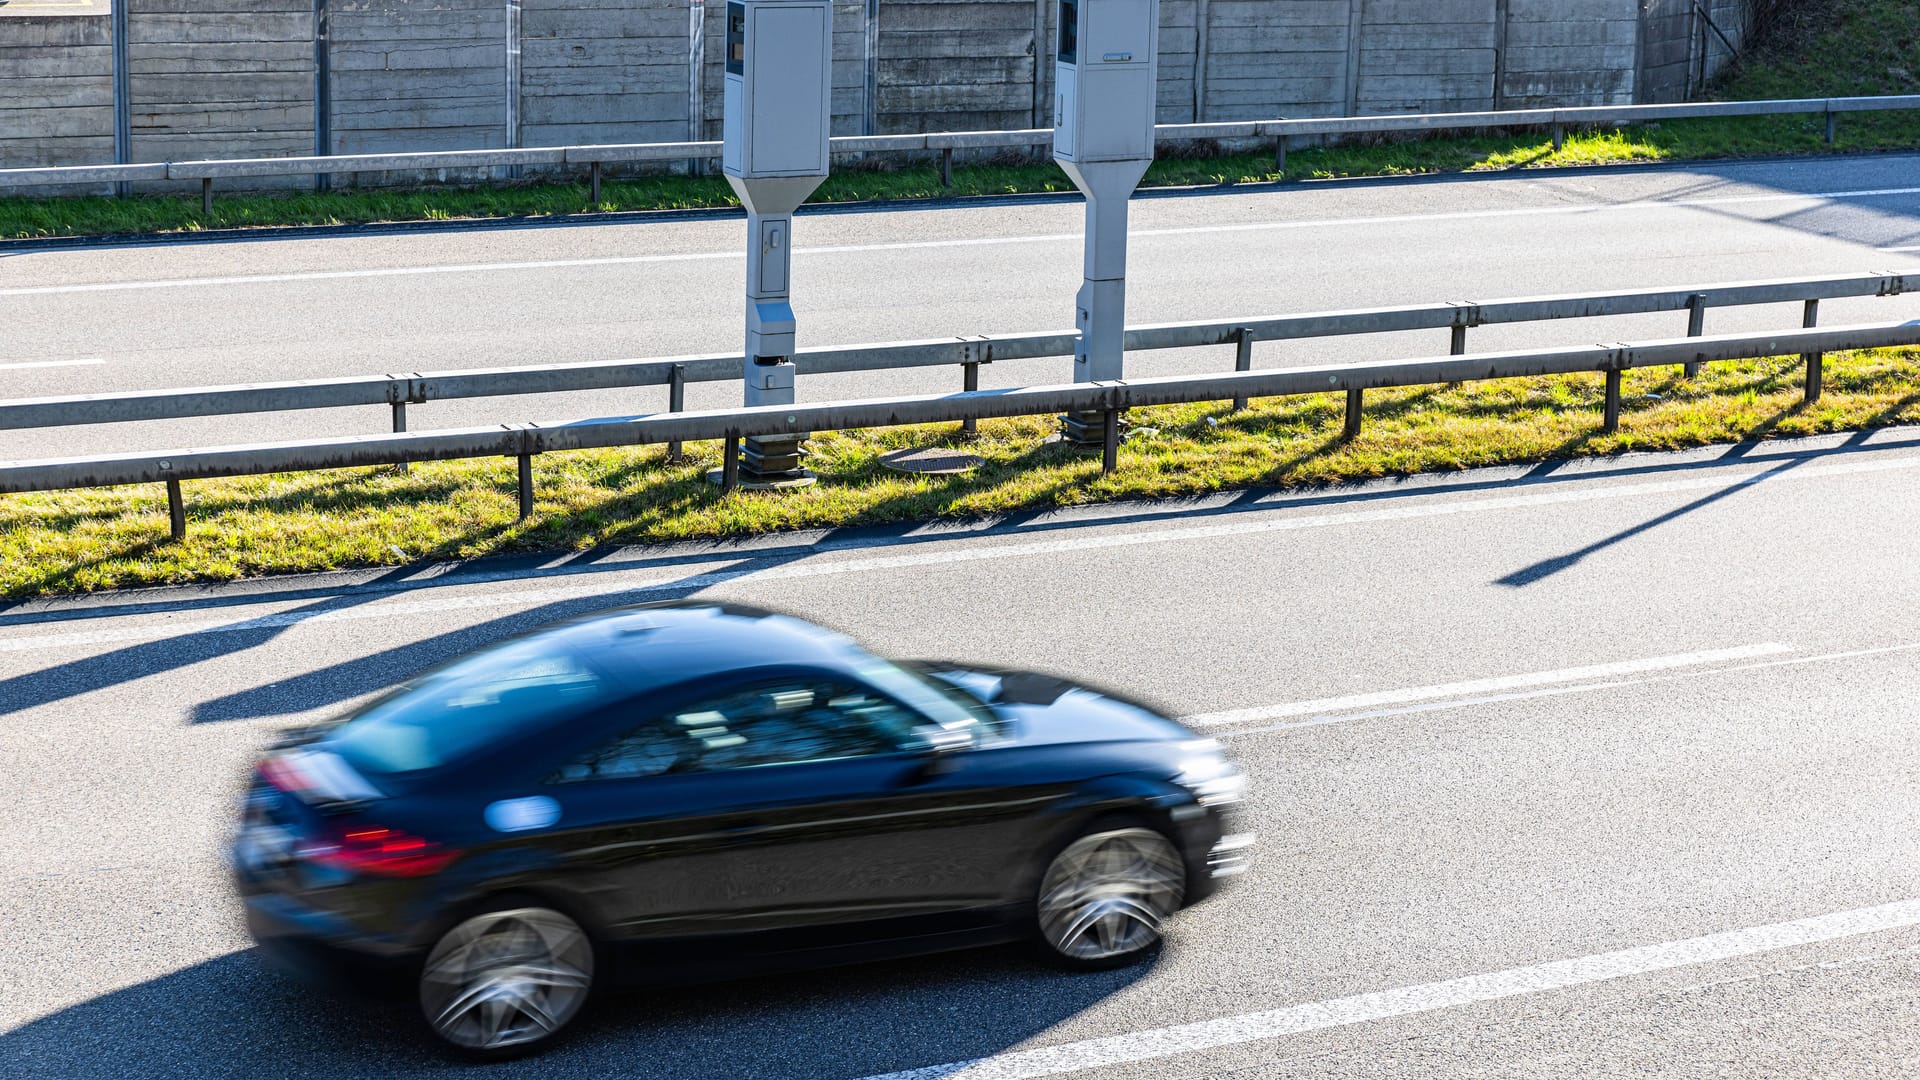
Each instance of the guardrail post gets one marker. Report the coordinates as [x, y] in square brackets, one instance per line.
[593, 184]
[969, 382]
[526, 486]
[1110, 444]
[1243, 361]
[1280, 156]
[1814, 361]
[1559, 137]
[1696, 326]
[176, 511]
[206, 196]
[399, 426]
[730, 464]
[1611, 422]
[1355, 404]
[946, 167]
[1458, 344]
[1833, 126]
[676, 402]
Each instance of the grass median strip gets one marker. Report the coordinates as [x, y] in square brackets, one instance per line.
[117, 537]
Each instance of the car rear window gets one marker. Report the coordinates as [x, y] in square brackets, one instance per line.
[450, 713]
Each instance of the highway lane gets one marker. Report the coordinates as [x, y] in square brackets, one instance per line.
[206, 313]
[1499, 720]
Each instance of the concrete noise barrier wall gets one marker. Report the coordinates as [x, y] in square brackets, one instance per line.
[249, 78]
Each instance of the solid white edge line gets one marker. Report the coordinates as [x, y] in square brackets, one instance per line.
[942, 555]
[1409, 1000]
[910, 245]
[23, 365]
[1493, 685]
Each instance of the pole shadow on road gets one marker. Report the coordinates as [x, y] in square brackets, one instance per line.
[235, 1016]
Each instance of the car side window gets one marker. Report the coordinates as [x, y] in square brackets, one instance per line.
[792, 722]
[782, 723]
[648, 750]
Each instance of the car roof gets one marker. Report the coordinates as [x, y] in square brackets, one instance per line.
[659, 644]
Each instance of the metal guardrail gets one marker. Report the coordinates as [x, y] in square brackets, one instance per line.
[523, 441]
[400, 390]
[945, 143]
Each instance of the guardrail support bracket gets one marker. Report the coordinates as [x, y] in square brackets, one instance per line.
[176, 511]
[676, 402]
[1696, 326]
[399, 426]
[1243, 361]
[969, 382]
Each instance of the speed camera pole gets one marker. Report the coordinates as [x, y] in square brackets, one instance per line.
[1105, 79]
[778, 110]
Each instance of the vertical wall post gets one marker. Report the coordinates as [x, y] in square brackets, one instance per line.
[696, 77]
[513, 83]
[122, 95]
[1202, 31]
[322, 90]
[1043, 51]
[1356, 25]
[1814, 361]
[1502, 14]
[1696, 325]
[871, 124]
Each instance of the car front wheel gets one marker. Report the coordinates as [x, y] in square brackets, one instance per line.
[1105, 896]
[506, 982]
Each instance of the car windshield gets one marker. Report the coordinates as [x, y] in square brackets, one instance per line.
[944, 706]
[451, 712]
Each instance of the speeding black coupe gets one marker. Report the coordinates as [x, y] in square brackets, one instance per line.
[671, 793]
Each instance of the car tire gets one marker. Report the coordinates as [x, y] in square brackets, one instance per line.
[506, 981]
[1103, 898]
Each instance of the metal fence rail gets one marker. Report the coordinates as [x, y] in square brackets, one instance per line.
[399, 390]
[523, 441]
[944, 143]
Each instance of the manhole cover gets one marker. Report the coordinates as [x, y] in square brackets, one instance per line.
[933, 462]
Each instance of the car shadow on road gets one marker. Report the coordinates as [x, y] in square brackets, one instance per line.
[236, 1016]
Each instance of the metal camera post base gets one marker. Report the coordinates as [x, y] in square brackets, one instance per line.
[1088, 430]
[768, 463]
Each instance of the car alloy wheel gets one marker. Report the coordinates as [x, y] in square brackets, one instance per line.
[506, 980]
[1103, 899]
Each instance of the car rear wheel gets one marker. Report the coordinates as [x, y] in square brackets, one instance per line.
[1104, 897]
[506, 982]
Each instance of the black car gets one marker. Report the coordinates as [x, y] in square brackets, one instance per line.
[689, 791]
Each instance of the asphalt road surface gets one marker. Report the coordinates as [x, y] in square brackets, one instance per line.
[193, 314]
[1595, 769]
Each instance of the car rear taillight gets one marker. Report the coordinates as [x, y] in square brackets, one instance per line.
[376, 849]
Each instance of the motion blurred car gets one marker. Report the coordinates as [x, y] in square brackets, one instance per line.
[683, 792]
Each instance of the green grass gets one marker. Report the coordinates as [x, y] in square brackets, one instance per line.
[117, 537]
[1826, 48]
